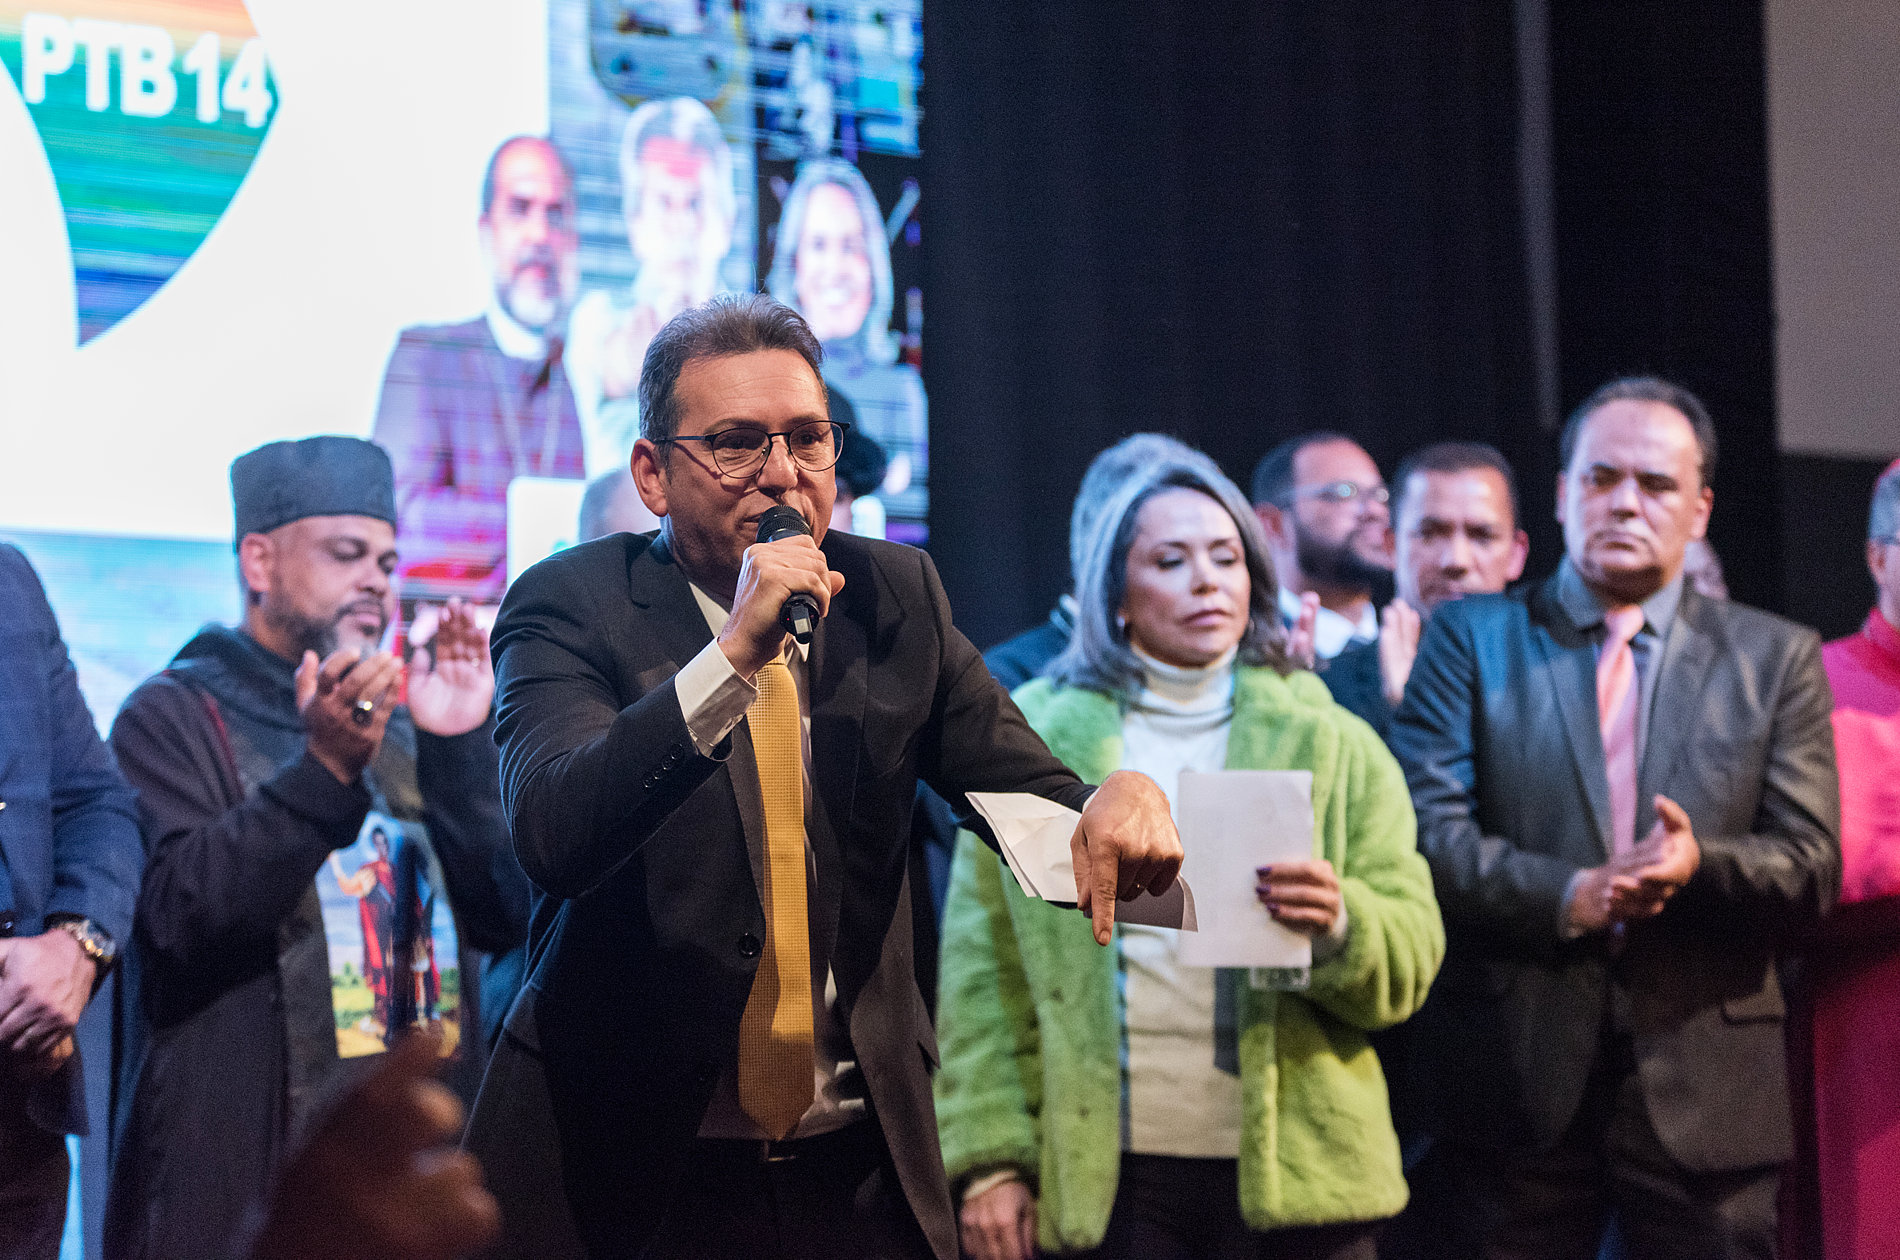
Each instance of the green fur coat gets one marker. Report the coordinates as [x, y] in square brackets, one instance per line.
[1030, 1020]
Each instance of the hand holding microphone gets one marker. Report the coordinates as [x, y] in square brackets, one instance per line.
[785, 585]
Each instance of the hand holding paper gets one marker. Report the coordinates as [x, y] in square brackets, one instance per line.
[1234, 821]
[1125, 844]
[1037, 840]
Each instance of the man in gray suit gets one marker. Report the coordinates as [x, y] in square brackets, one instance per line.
[1627, 794]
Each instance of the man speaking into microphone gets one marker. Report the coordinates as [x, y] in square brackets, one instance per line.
[721, 1050]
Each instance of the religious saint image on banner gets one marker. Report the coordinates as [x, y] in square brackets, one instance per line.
[388, 972]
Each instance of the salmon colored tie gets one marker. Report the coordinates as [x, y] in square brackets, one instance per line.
[1616, 713]
[775, 1033]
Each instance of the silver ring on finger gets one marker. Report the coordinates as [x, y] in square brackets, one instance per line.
[363, 712]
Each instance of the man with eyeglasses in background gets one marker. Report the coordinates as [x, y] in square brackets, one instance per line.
[722, 1051]
[1324, 507]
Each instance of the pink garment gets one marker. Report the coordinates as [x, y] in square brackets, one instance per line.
[1864, 671]
[1856, 967]
[1616, 715]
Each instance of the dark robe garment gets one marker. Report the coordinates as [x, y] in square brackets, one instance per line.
[230, 1036]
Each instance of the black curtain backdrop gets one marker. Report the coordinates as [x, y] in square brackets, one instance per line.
[1236, 221]
[1226, 221]
[1663, 242]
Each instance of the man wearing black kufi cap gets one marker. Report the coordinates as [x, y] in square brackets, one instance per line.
[258, 754]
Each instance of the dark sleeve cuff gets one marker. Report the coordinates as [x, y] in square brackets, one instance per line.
[307, 789]
[460, 758]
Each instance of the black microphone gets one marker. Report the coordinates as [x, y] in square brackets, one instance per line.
[800, 613]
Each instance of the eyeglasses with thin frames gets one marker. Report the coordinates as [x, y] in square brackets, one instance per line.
[1342, 492]
[743, 449]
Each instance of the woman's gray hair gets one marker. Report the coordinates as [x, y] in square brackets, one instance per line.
[1098, 657]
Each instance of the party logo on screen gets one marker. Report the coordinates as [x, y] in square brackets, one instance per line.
[150, 113]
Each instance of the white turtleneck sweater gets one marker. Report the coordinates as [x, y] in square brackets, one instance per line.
[1179, 1103]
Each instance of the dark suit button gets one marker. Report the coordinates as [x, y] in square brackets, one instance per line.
[749, 945]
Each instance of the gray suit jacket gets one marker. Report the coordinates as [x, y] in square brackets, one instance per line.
[644, 944]
[1499, 738]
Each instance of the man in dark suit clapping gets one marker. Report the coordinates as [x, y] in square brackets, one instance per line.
[1627, 794]
[721, 1050]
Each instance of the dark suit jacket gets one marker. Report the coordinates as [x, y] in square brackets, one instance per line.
[1354, 679]
[1014, 662]
[643, 949]
[69, 831]
[1499, 737]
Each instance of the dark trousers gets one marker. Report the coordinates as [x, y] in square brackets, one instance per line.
[1189, 1209]
[33, 1176]
[833, 1197]
[1556, 1204]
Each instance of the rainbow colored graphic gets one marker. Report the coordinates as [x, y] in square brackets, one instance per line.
[151, 114]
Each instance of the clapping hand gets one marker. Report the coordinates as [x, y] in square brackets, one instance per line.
[1300, 647]
[451, 678]
[1636, 885]
[1644, 879]
[1399, 626]
[345, 703]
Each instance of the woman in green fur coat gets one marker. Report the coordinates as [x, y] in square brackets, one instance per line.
[1118, 1103]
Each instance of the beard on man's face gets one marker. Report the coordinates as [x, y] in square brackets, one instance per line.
[533, 295]
[325, 635]
[1338, 564]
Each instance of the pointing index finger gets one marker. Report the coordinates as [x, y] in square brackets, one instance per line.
[1104, 882]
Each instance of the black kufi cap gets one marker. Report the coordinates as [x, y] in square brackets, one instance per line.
[282, 482]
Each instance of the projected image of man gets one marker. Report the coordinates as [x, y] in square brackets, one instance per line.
[466, 408]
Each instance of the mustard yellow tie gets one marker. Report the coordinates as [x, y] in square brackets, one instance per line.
[775, 1033]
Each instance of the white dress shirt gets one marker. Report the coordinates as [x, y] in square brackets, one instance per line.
[514, 338]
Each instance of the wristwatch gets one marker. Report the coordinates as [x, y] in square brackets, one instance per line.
[94, 941]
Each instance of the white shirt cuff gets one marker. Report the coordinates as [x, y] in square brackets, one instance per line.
[712, 697]
[1329, 945]
[1566, 930]
[989, 1181]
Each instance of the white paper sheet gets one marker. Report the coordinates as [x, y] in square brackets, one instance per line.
[1035, 835]
[1233, 821]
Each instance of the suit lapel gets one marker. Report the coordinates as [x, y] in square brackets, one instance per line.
[657, 587]
[1687, 655]
[1570, 659]
[674, 623]
[836, 670]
